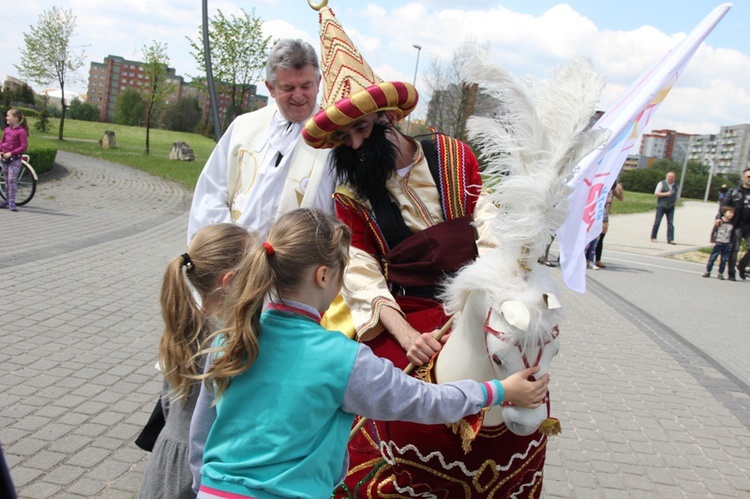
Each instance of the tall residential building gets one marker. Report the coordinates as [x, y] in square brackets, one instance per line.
[734, 150]
[703, 148]
[115, 74]
[665, 144]
[728, 151]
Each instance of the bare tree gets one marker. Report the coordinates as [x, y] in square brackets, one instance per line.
[156, 88]
[453, 98]
[238, 55]
[48, 57]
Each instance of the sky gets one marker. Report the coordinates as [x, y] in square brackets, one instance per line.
[528, 37]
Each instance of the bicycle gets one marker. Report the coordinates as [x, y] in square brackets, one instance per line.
[27, 179]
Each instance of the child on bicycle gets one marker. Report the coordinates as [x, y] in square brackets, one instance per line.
[15, 142]
[207, 267]
[286, 390]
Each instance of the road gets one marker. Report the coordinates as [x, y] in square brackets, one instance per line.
[707, 314]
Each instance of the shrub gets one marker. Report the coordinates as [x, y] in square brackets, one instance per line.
[83, 111]
[42, 158]
[182, 116]
[28, 112]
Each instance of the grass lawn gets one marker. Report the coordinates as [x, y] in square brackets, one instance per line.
[634, 202]
[82, 137]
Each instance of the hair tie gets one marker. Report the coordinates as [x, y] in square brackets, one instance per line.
[186, 261]
[269, 248]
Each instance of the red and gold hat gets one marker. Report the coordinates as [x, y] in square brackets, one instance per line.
[350, 88]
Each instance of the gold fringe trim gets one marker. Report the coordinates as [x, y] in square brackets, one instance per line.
[550, 427]
[467, 431]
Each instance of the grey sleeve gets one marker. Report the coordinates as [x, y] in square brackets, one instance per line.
[200, 424]
[378, 390]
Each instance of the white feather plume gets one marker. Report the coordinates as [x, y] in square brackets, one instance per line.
[529, 149]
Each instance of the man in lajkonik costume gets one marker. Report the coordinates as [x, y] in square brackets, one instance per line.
[417, 214]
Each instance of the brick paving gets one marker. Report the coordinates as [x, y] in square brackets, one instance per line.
[642, 415]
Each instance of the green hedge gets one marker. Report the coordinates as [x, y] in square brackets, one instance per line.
[42, 158]
[694, 186]
[28, 112]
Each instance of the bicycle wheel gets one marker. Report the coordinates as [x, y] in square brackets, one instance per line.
[26, 184]
[2, 185]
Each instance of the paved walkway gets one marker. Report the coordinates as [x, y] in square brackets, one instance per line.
[642, 415]
[632, 233]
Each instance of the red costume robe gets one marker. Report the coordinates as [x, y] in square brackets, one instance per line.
[399, 459]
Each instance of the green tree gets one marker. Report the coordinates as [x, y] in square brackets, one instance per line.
[182, 116]
[156, 87]
[47, 55]
[42, 121]
[238, 55]
[26, 95]
[130, 108]
[83, 111]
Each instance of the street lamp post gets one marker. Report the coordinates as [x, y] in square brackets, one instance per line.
[214, 103]
[684, 168]
[710, 174]
[416, 66]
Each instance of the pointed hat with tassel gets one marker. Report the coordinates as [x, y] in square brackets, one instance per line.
[350, 88]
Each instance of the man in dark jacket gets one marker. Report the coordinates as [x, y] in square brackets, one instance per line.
[739, 198]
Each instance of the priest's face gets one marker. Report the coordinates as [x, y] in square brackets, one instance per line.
[296, 92]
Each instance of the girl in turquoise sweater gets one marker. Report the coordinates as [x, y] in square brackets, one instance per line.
[286, 390]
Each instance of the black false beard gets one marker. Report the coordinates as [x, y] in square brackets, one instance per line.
[367, 168]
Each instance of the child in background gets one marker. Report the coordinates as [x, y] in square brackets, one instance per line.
[15, 142]
[286, 390]
[721, 237]
[213, 254]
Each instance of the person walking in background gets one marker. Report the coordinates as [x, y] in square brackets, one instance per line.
[286, 390]
[591, 254]
[208, 266]
[261, 168]
[15, 142]
[721, 238]
[618, 193]
[722, 192]
[666, 198]
[739, 198]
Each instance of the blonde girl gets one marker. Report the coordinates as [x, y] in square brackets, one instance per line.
[205, 269]
[15, 142]
[286, 390]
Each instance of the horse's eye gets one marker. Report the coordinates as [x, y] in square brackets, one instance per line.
[497, 360]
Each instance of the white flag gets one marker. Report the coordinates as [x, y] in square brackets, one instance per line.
[627, 120]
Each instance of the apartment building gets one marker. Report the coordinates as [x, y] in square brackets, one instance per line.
[665, 144]
[728, 151]
[115, 74]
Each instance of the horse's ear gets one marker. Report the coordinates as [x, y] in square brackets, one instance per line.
[552, 301]
[516, 314]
